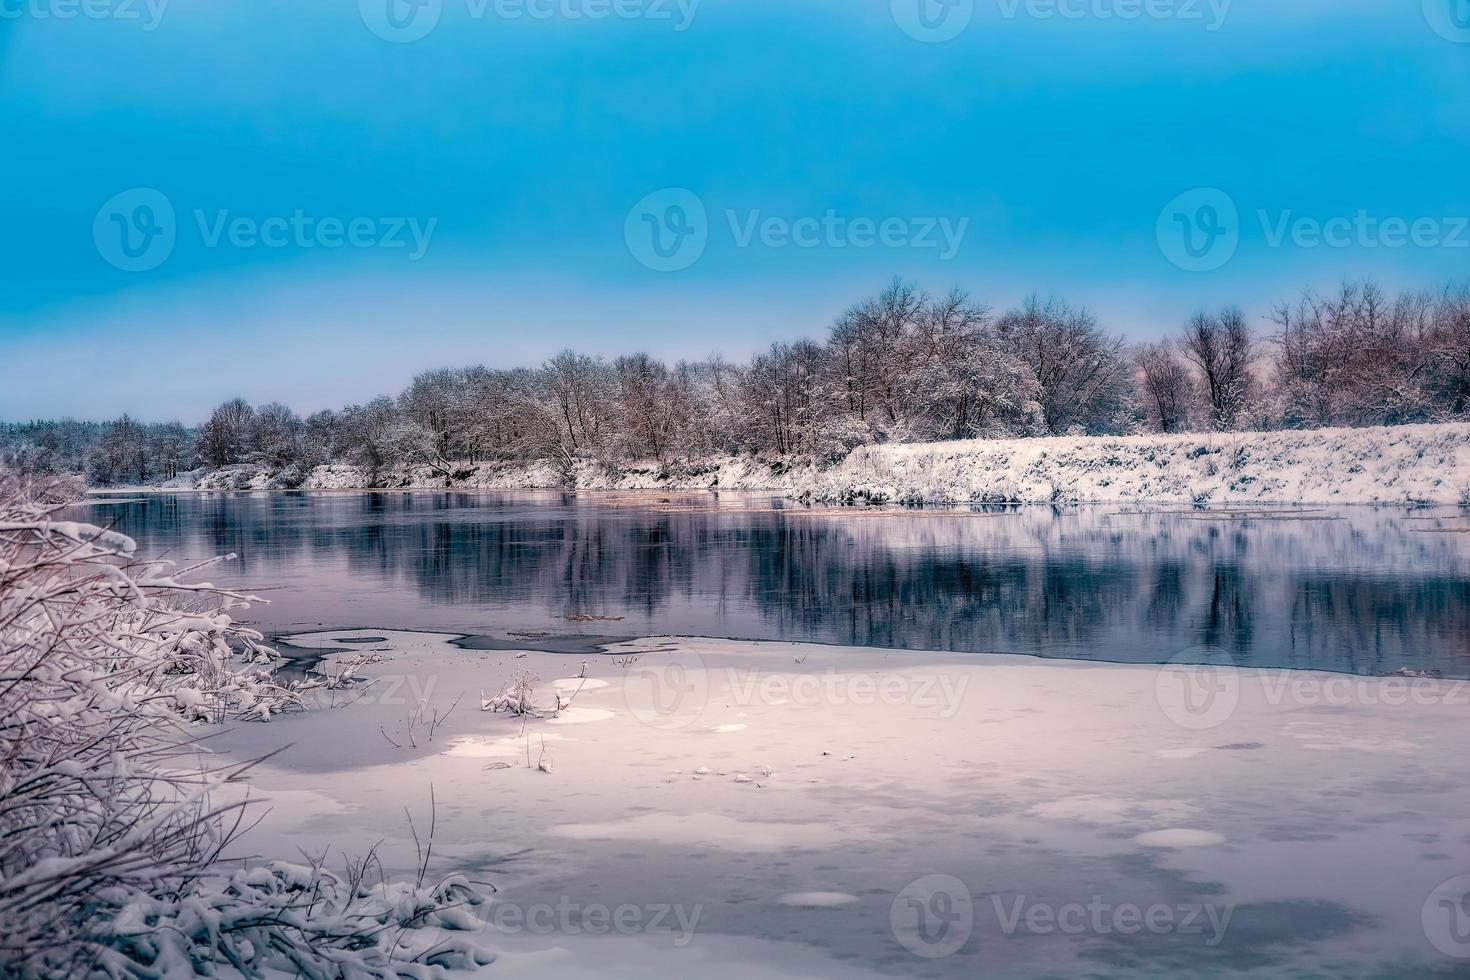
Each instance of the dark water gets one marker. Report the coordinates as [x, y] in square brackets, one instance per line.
[1356, 589]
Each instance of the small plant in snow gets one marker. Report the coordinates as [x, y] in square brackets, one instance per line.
[421, 723]
[515, 697]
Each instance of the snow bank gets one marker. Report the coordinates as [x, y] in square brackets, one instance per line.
[1391, 465]
[1399, 464]
[724, 473]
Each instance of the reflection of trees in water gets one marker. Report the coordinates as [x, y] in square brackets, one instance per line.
[1375, 626]
[1365, 593]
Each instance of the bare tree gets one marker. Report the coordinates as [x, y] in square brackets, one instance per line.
[224, 438]
[1164, 387]
[1077, 370]
[581, 389]
[1221, 349]
[645, 404]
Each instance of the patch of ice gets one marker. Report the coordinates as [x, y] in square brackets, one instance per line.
[817, 900]
[702, 829]
[580, 716]
[571, 685]
[495, 748]
[1112, 811]
[1181, 753]
[1179, 837]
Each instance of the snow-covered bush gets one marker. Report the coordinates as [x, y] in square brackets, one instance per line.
[111, 816]
[517, 697]
[303, 920]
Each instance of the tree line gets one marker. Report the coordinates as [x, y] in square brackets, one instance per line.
[903, 365]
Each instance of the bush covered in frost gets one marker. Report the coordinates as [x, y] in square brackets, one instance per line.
[112, 816]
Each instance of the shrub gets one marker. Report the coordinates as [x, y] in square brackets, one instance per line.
[110, 825]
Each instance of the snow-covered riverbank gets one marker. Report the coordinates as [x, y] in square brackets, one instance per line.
[725, 473]
[1399, 464]
[720, 808]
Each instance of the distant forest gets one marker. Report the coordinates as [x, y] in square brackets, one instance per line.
[901, 366]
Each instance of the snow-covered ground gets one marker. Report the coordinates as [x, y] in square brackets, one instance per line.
[1398, 464]
[723, 808]
[725, 473]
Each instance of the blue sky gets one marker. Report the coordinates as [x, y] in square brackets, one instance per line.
[1052, 138]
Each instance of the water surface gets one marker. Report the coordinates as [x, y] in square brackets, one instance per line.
[1364, 590]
